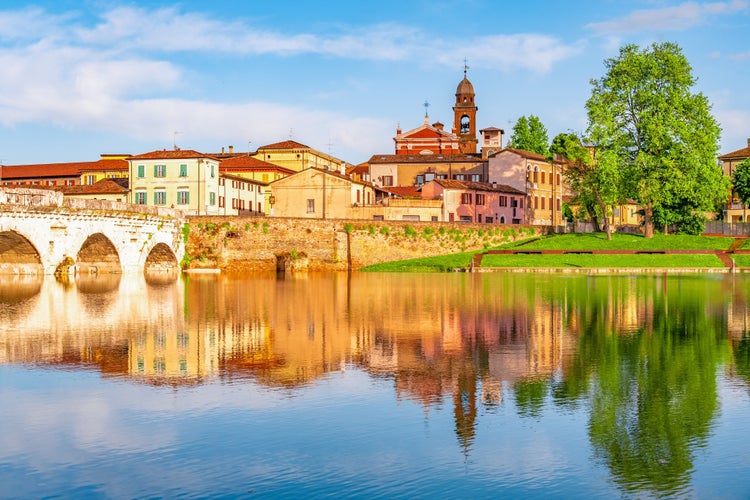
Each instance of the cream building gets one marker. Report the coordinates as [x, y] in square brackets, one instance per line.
[182, 179]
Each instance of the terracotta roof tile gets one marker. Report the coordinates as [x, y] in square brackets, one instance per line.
[430, 158]
[404, 191]
[478, 186]
[170, 154]
[285, 145]
[246, 163]
[522, 152]
[42, 170]
[737, 155]
[103, 186]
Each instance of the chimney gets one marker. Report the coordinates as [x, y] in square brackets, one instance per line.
[438, 125]
[231, 149]
[748, 142]
[222, 150]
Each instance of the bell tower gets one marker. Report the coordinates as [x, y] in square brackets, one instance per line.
[465, 116]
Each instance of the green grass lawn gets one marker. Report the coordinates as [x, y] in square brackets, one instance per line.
[741, 260]
[598, 261]
[595, 241]
[598, 241]
[440, 263]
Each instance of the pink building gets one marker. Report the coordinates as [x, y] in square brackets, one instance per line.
[477, 201]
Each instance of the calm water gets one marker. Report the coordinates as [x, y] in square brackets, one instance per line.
[376, 385]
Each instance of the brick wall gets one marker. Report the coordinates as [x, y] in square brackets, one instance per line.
[253, 243]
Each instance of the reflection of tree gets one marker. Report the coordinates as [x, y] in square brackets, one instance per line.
[530, 396]
[741, 353]
[652, 391]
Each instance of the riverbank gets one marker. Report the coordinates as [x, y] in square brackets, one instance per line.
[593, 253]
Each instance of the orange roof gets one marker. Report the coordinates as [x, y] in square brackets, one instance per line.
[107, 164]
[522, 152]
[404, 191]
[245, 162]
[478, 186]
[42, 170]
[170, 154]
[285, 145]
[740, 154]
[103, 186]
[429, 158]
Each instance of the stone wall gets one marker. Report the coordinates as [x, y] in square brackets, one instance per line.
[256, 243]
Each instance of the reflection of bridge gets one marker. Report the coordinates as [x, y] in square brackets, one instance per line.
[41, 232]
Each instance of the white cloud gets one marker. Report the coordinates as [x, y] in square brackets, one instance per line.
[677, 18]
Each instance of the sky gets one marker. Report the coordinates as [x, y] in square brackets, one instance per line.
[79, 79]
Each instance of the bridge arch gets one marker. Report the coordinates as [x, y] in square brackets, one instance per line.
[18, 255]
[98, 255]
[161, 258]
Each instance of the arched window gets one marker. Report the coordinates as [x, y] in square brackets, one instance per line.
[502, 219]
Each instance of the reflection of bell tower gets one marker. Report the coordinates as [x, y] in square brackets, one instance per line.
[465, 116]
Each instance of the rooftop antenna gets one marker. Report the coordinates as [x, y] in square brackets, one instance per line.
[330, 146]
[248, 147]
[291, 132]
[174, 139]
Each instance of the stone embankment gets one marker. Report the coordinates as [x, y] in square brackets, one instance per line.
[271, 243]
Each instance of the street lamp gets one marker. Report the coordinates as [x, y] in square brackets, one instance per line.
[271, 201]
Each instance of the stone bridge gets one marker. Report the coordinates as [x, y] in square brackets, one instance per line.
[41, 233]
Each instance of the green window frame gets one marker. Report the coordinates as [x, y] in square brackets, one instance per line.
[141, 171]
[183, 170]
[140, 197]
[160, 197]
[160, 170]
[183, 197]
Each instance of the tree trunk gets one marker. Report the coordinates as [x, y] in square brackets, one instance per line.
[603, 208]
[648, 225]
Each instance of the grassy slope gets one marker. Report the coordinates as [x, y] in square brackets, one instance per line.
[596, 241]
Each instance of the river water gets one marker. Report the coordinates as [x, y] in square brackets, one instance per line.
[375, 385]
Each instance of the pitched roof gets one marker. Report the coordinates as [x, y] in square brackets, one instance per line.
[103, 186]
[522, 152]
[478, 186]
[285, 145]
[41, 170]
[426, 131]
[245, 163]
[740, 154]
[171, 154]
[404, 191]
[429, 158]
[242, 179]
[107, 164]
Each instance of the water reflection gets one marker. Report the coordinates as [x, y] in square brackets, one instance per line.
[638, 356]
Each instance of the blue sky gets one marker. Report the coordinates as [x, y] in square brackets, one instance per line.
[82, 78]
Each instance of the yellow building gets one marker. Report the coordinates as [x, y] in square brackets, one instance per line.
[182, 179]
[110, 166]
[296, 157]
[316, 193]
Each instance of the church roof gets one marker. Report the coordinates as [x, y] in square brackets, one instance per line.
[465, 87]
[426, 131]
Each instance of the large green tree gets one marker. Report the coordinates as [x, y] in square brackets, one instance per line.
[530, 134]
[594, 178]
[741, 183]
[662, 136]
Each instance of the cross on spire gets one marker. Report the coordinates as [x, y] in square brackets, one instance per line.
[466, 66]
[426, 105]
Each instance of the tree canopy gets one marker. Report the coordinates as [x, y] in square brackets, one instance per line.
[741, 182]
[660, 135]
[594, 178]
[531, 135]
